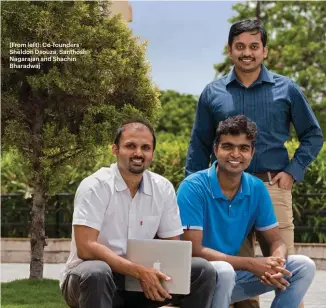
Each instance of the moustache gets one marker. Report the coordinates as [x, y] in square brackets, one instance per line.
[246, 58]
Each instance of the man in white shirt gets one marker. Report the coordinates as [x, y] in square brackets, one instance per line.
[119, 203]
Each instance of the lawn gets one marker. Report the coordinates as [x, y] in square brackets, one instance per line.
[26, 293]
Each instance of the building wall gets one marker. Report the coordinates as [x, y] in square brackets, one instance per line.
[18, 250]
[122, 7]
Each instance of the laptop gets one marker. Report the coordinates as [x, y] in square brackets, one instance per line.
[172, 258]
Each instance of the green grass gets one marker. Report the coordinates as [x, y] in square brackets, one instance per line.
[26, 293]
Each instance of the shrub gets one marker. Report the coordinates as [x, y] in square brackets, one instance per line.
[309, 199]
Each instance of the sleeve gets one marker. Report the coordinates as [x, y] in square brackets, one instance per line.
[191, 206]
[202, 137]
[170, 223]
[90, 204]
[266, 218]
[308, 131]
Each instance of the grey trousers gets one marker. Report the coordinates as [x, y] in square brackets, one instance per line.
[92, 284]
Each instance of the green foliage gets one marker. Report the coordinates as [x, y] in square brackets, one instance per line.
[307, 205]
[170, 157]
[15, 173]
[296, 43]
[25, 293]
[177, 114]
[60, 114]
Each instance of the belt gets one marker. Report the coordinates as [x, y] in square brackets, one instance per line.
[265, 176]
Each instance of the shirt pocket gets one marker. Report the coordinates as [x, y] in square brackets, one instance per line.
[149, 226]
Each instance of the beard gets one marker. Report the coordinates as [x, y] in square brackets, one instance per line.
[136, 170]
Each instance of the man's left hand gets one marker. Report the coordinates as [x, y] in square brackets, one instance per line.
[284, 180]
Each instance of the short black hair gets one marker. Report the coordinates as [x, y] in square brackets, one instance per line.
[235, 126]
[122, 128]
[247, 25]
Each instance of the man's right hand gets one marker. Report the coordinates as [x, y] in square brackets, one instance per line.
[149, 279]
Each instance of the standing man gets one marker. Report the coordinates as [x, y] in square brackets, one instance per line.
[273, 102]
[125, 201]
[220, 205]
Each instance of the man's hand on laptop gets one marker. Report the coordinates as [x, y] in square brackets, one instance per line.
[150, 282]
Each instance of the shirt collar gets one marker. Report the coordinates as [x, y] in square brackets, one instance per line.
[120, 185]
[264, 76]
[216, 188]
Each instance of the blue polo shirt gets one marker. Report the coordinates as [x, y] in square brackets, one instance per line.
[225, 223]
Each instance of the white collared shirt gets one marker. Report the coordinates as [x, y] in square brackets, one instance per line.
[103, 202]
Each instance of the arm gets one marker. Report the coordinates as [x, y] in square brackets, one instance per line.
[89, 249]
[91, 202]
[261, 267]
[308, 132]
[198, 250]
[276, 245]
[191, 202]
[202, 137]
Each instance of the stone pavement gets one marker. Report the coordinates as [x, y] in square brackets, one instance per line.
[315, 298]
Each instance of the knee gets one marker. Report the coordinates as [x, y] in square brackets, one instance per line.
[305, 266]
[309, 266]
[99, 273]
[203, 270]
[225, 273]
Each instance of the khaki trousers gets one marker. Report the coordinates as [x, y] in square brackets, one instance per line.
[282, 202]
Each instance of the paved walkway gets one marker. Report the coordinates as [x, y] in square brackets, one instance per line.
[315, 298]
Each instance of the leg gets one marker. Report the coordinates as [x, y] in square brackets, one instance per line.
[89, 284]
[203, 282]
[282, 202]
[248, 250]
[129, 299]
[303, 271]
[225, 283]
[202, 288]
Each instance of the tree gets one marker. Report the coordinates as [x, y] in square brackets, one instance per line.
[296, 42]
[177, 114]
[60, 113]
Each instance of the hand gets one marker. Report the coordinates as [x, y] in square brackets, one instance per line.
[277, 280]
[272, 265]
[285, 180]
[149, 279]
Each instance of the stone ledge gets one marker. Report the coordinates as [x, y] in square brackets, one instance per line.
[17, 250]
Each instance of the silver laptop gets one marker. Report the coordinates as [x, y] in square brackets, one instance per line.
[172, 258]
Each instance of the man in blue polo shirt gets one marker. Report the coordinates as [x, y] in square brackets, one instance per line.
[219, 206]
[274, 102]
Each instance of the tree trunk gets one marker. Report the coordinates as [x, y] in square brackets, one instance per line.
[258, 10]
[37, 233]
